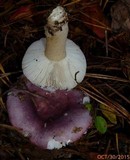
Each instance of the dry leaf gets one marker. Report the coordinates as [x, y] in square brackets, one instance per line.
[94, 19]
[108, 114]
[22, 12]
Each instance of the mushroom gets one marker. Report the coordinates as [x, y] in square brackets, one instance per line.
[44, 104]
[55, 62]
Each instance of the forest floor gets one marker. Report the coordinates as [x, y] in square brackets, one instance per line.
[102, 32]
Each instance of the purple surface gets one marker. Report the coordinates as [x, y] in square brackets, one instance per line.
[44, 116]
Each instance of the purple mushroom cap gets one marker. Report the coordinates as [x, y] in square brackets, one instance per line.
[50, 119]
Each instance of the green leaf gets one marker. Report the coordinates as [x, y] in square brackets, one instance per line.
[108, 113]
[100, 124]
[88, 106]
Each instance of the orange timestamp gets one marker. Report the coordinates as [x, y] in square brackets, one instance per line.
[113, 157]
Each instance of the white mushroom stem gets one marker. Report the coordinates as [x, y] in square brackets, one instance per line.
[56, 32]
[55, 62]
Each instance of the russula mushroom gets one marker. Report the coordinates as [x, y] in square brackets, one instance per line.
[44, 104]
[56, 61]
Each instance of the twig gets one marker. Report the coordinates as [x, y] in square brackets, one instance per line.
[128, 101]
[107, 77]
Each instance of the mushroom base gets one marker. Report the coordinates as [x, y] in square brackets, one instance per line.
[50, 119]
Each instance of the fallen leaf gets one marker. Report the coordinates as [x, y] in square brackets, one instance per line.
[94, 19]
[100, 124]
[108, 114]
[22, 12]
[88, 106]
